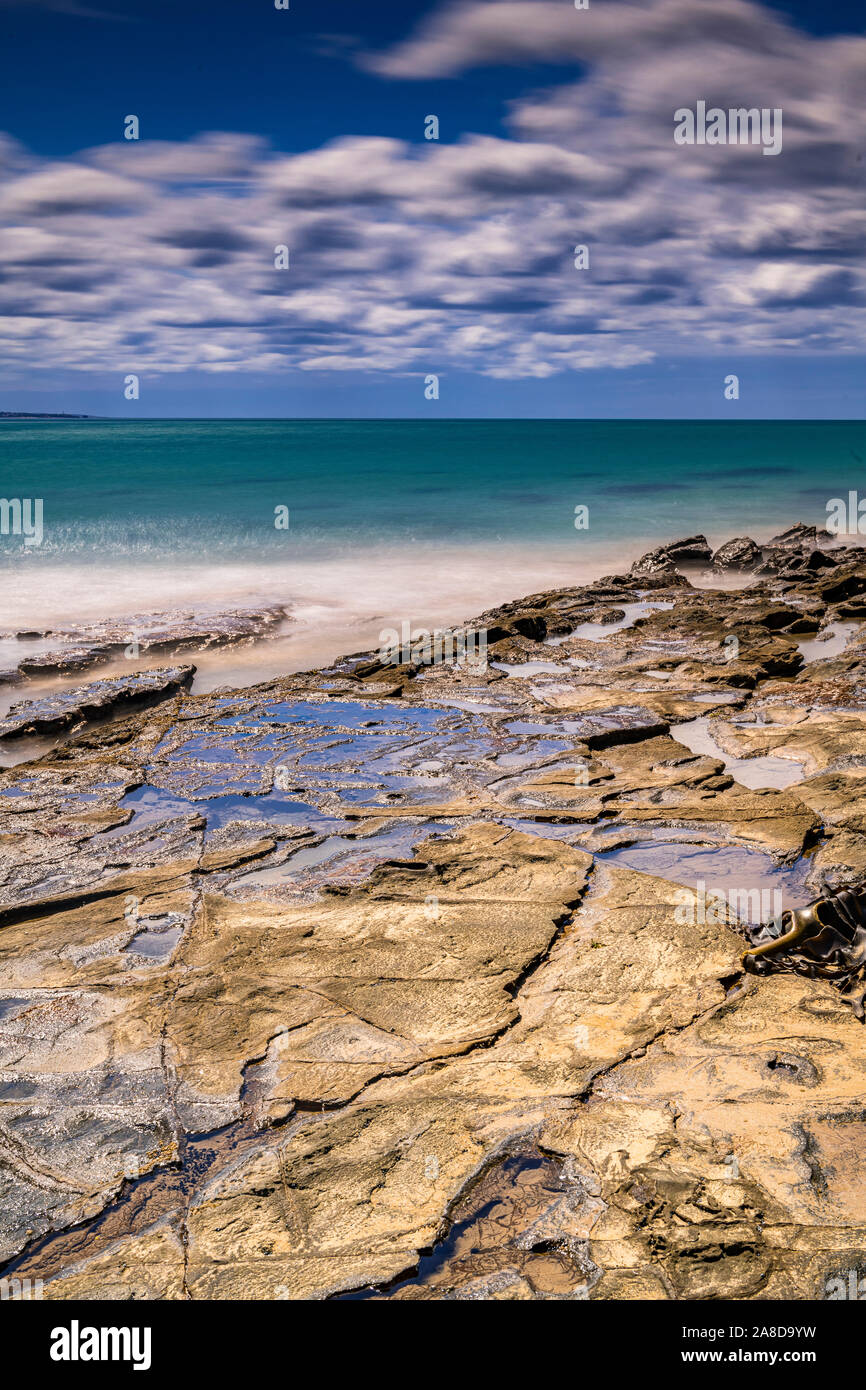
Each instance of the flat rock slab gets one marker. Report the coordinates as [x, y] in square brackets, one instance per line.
[725, 1155]
[66, 708]
[598, 727]
[250, 1005]
[144, 634]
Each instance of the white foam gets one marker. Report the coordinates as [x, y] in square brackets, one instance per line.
[338, 605]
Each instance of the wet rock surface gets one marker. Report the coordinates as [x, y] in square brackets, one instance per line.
[43, 653]
[68, 708]
[400, 982]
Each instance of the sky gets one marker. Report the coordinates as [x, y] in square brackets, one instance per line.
[412, 258]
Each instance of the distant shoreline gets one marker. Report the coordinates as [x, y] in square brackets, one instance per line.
[42, 415]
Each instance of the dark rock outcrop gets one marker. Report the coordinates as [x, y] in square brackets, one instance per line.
[691, 553]
[800, 535]
[740, 554]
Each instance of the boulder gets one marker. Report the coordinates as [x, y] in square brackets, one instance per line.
[690, 553]
[742, 553]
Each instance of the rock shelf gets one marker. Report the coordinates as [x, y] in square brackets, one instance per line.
[348, 985]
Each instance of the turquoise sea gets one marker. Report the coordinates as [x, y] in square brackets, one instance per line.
[391, 519]
[157, 489]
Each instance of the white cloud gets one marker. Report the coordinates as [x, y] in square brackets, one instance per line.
[60, 189]
[480, 32]
[159, 256]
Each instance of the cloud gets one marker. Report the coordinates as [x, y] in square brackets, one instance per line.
[218, 156]
[472, 34]
[60, 189]
[158, 256]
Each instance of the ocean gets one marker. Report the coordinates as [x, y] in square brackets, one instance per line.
[387, 521]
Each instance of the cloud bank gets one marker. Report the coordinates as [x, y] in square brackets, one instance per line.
[159, 256]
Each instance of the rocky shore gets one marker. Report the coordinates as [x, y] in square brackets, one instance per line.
[44, 652]
[376, 981]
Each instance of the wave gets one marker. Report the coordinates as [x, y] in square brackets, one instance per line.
[416, 583]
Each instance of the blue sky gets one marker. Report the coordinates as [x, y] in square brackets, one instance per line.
[410, 257]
